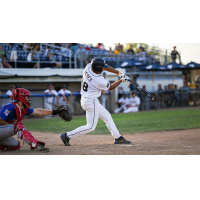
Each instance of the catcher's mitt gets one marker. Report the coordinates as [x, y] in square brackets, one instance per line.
[63, 113]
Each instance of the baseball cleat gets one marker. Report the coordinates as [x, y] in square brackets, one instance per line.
[121, 140]
[40, 148]
[65, 139]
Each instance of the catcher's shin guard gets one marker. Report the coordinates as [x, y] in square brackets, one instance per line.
[11, 148]
[26, 136]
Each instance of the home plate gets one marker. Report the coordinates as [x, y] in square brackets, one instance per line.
[126, 145]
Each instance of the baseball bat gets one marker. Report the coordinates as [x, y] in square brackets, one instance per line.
[143, 91]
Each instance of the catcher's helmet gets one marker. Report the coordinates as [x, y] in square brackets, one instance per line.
[98, 64]
[20, 94]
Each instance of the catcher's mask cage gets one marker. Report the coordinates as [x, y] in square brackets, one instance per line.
[98, 64]
[20, 94]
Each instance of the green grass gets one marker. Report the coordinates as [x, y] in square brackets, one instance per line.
[126, 123]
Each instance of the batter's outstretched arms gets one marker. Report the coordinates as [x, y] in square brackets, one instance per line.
[112, 70]
[122, 80]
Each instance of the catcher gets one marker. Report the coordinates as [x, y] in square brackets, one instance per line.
[13, 113]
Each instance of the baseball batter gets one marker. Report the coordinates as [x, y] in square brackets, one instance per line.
[91, 87]
[11, 116]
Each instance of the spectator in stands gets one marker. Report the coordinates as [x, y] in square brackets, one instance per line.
[160, 88]
[176, 95]
[80, 49]
[0, 93]
[74, 47]
[27, 47]
[197, 82]
[185, 90]
[2, 53]
[134, 104]
[131, 86]
[9, 93]
[145, 100]
[110, 51]
[171, 94]
[121, 48]
[168, 95]
[53, 63]
[123, 103]
[117, 50]
[3, 61]
[141, 55]
[63, 100]
[174, 54]
[48, 100]
[31, 57]
[64, 47]
[104, 93]
[48, 49]
[100, 46]
[160, 96]
[130, 50]
[145, 53]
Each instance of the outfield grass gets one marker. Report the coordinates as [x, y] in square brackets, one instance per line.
[126, 123]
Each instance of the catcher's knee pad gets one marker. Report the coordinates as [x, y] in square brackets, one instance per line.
[12, 148]
[27, 137]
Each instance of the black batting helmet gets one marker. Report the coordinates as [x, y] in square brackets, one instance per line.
[98, 64]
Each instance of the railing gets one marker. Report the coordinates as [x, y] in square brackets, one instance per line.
[171, 99]
[67, 59]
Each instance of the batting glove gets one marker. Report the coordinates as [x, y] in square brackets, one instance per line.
[121, 74]
[125, 79]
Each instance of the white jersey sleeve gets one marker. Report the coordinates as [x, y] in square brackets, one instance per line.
[9, 93]
[55, 92]
[68, 92]
[46, 91]
[61, 91]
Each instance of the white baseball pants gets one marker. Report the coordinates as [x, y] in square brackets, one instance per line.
[94, 111]
[131, 109]
[48, 106]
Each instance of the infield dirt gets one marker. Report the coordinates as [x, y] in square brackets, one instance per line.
[184, 142]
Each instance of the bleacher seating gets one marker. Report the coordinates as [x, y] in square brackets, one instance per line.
[64, 56]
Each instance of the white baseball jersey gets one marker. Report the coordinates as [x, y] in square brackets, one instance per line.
[124, 101]
[134, 101]
[61, 99]
[50, 99]
[92, 84]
